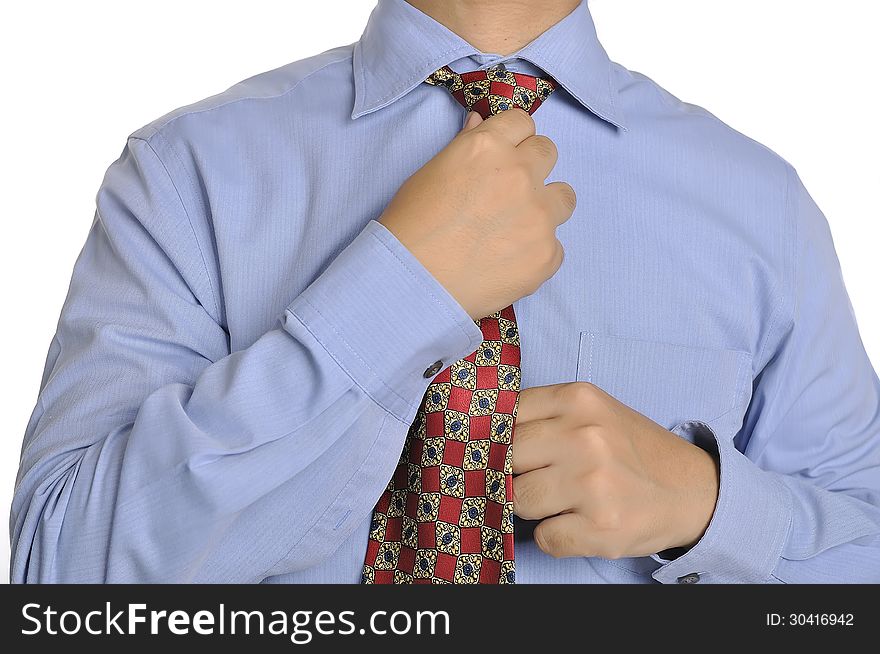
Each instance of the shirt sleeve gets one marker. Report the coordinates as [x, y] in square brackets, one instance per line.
[799, 499]
[156, 454]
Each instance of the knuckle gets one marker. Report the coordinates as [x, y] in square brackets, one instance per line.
[586, 392]
[550, 258]
[589, 442]
[533, 285]
[545, 207]
[539, 257]
[542, 216]
[560, 257]
[580, 393]
[482, 140]
[547, 253]
[592, 436]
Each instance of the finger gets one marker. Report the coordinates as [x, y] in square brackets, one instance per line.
[564, 199]
[565, 535]
[534, 445]
[540, 153]
[586, 402]
[541, 493]
[515, 125]
[538, 403]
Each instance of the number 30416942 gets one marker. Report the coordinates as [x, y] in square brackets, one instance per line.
[810, 620]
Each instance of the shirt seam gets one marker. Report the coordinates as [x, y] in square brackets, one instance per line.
[348, 346]
[353, 352]
[189, 221]
[781, 295]
[158, 128]
[427, 289]
[782, 535]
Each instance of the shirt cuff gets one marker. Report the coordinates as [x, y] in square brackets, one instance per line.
[748, 530]
[385, 320]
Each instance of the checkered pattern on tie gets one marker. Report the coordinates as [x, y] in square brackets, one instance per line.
[489, 92]
[447, 513]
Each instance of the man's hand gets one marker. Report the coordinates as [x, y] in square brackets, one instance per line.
[605, 480]
[479, 217]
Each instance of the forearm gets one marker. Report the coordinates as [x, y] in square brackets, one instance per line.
[222, 477]
[202, 486]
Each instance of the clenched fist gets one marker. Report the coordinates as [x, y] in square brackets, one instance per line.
[479, 217]
[605, 480]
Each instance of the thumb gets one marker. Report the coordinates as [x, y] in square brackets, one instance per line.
[473, 119]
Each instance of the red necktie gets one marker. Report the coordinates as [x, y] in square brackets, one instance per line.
[447, 513]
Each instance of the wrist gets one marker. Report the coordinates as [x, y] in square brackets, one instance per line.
[435, 262]
[699, 495]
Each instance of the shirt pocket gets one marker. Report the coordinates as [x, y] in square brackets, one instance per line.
[671, 384]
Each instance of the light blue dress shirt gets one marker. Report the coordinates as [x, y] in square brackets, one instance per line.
[242, 348]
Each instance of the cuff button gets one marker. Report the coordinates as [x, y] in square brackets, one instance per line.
[433, 369]
[692, 578]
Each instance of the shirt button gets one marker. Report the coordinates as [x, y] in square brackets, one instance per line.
[692, 578]
[433, 369]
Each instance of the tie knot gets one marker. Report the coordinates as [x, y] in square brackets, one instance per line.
[489, 92]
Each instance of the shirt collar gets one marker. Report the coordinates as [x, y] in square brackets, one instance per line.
[401, 46]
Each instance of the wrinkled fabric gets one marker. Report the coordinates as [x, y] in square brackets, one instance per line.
[243, 345]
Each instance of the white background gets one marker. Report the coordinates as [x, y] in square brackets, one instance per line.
[77, 77]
